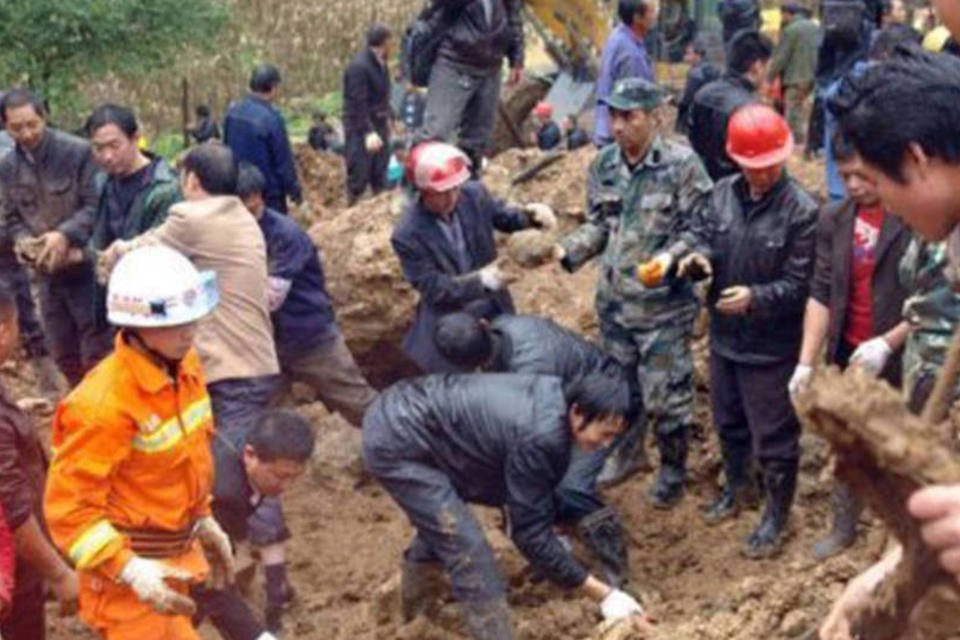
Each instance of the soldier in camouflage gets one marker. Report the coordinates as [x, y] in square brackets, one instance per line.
[641, 192]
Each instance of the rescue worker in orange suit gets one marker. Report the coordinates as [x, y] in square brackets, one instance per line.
[129, 489]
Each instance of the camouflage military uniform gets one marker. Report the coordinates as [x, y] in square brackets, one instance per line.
[933, 311]
[634, 215]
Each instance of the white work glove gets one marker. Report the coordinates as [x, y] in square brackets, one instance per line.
[872, 355]
[373, 142]
[277, 291]
[147, 579]
[541, 215]
[800, 379]
[492, 278]
[218, 550]
[619, 604]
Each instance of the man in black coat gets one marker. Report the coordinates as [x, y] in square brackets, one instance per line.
[749, 53]
[440, 442]
[447, 251]
[701, 72]
[367, 115]
[530, 344]
[756, 238]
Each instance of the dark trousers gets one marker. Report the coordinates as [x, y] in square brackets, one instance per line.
[446, 529]
[68, 306]
[27, 620]
[14, 275]
[364, 168]
[751, 404]
[228, 612]
[461, 103]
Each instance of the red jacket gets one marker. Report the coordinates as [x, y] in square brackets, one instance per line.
[7, 561]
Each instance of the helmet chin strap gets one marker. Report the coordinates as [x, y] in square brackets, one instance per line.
[171, 365]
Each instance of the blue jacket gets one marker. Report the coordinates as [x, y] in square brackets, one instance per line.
[624, 56]
[429, 263]
[256, 133]
[306, 317]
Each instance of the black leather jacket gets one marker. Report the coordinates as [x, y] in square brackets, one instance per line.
[707, 121]
[473, 44]
[769, 246]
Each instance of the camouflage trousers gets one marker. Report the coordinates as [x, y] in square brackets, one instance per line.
[663, 364]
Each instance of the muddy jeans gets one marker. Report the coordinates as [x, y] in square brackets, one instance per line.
[461, 103]
[332, 372]
[446, 529]
[795, 99]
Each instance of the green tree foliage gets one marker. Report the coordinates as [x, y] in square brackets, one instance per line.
[54, 46]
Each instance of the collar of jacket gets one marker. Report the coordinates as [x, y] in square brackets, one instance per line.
[652, 159]
[38, 156]
[150, 376]
[631, 34]
[740, 81]
[210, 205]
[742, 189]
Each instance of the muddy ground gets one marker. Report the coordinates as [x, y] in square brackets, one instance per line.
[348, 535]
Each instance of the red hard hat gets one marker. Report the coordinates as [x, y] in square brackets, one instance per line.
[543, 109]
[758, 137]
[437, 166]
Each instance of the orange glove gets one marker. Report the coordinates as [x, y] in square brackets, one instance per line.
[652, 272]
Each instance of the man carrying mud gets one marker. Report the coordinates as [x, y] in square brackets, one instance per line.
[529, 344]
[909, 150]
[641, 193]
[438, 443]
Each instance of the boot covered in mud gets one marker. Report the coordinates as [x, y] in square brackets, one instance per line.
[422, 586]
[489, 620]
[602, 533]
[737, 489]
[628, 456]
[780, 485]
[668, 489]
[280, 596]
[847, 507]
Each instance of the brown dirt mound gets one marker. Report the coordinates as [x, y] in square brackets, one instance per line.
[323, 176]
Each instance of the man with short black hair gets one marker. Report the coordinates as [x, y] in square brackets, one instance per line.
[256, 133]
[747, 58]
[367, 115]
[206, 128]
[310, 347]
[49, 199]
[438, 443]
[624, 56]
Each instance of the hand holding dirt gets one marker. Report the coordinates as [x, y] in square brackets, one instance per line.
[531, 248]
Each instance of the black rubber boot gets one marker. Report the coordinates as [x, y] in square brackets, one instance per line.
[780, 484]
[628, 457]
[602, 533]
[422, 586]
[736, 469]
[279, 596]
[489, 620]
[847, 508]
[668, 489]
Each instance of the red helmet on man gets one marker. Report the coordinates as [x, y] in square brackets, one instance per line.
[437, 167]
[758, 137]
[543, 110]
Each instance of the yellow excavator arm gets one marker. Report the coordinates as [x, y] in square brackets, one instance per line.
[574, 29]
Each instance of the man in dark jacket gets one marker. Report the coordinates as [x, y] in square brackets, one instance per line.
[855, 306]
[310, 347]
[747, 60]
[255, 132]
[49, 199]
[464, 87]
[206, 128]
[23, 470]
[447, 251]
[136, 189]
[440, 442]
[701, 73]
[757, 239]
[367, 115]
[529, 344]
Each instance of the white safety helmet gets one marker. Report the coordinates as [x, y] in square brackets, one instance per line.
[155, 286]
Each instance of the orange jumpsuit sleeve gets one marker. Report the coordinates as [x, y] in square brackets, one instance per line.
[89, 442]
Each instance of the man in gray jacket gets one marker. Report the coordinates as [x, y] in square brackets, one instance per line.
[49, 202]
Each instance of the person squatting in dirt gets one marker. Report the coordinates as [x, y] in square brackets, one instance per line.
[441, 442]
[908, 147]
[642, 193]
[129, 488]
[530, 344]
[446, 247]
[755, 237]
[855, 306]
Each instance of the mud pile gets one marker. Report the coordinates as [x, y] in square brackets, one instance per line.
[322, 176]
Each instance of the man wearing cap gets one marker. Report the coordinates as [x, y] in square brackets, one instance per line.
[641, 194]
[794, 62]
[756, 238]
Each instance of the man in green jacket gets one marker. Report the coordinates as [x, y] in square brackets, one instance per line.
[136, 191]
[795, 63]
